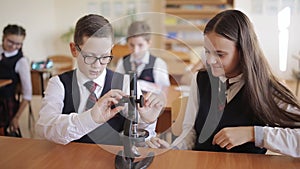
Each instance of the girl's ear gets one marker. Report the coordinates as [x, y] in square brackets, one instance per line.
[73, 49]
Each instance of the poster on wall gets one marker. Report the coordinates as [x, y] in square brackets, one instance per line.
[272, 7]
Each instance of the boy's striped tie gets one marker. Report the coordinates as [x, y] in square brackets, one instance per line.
[92, 99]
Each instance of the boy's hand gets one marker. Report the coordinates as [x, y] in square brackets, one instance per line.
[152, 107]
[101, 112]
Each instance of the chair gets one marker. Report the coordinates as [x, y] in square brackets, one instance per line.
[118, 51]
[31, 119]
[177, 115]
[61, 63]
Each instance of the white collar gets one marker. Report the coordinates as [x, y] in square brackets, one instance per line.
[236, 79]
[8, 54]
[82, 79]
[232, 80]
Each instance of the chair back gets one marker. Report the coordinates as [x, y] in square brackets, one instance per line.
[118, 51]
[61, 63]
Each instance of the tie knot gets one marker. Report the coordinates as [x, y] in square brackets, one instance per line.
[91, 86]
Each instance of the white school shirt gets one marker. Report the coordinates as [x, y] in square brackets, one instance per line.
[160, 69]
[281, 140]
[23, 69]
[64, 128]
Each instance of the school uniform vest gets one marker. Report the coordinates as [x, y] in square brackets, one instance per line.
[7, 71]
[146, 74]
[8, 103]
[107, 133]
[236, 113]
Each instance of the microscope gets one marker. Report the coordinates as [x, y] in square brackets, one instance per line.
[132, 136]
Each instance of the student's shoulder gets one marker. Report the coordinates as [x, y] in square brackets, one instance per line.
[67, 74]
[202, 73]
[158, 59]
[125, 57]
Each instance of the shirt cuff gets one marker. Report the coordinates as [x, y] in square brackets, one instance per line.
[259, 136]
[86, 121]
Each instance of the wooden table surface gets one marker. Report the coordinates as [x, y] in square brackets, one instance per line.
[4, 82]
[32, 153]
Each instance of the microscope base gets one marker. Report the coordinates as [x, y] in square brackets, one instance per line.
[122, 162]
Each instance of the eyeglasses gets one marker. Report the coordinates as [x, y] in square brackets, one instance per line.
[92, 59]
[11, 43]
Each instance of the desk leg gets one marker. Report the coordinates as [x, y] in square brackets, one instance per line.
[42, 83]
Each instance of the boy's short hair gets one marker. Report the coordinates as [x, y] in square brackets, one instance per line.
[92, 25]
[139, 28]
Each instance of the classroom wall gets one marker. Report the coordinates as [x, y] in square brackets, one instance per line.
[45, 21]
[263, 14]
[38, 18]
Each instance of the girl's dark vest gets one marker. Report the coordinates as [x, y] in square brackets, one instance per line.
[107, 133]
[7, 71]
[236, 113]
[146, 74]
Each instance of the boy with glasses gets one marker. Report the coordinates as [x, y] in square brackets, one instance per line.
[80, 105]
[14, 66]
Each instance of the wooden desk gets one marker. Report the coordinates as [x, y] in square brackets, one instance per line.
[30, 153]
[41, 73]
[176, 69]
[4, 82]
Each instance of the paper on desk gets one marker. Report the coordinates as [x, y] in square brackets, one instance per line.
[149, 87]
[184, 90]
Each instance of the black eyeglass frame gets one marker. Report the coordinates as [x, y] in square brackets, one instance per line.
[95, 58]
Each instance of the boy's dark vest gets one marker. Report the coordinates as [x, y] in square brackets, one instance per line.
[107, 133]
[236, 113]
[7, 71]
[147, 73]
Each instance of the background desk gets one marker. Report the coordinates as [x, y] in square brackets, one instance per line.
[37, 79]
[29, 153]
[164, 121]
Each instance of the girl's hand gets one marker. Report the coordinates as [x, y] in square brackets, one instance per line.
[230, 137]
[14, 124]
[155, 142]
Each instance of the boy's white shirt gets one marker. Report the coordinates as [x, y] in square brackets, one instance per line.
[64, 128]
